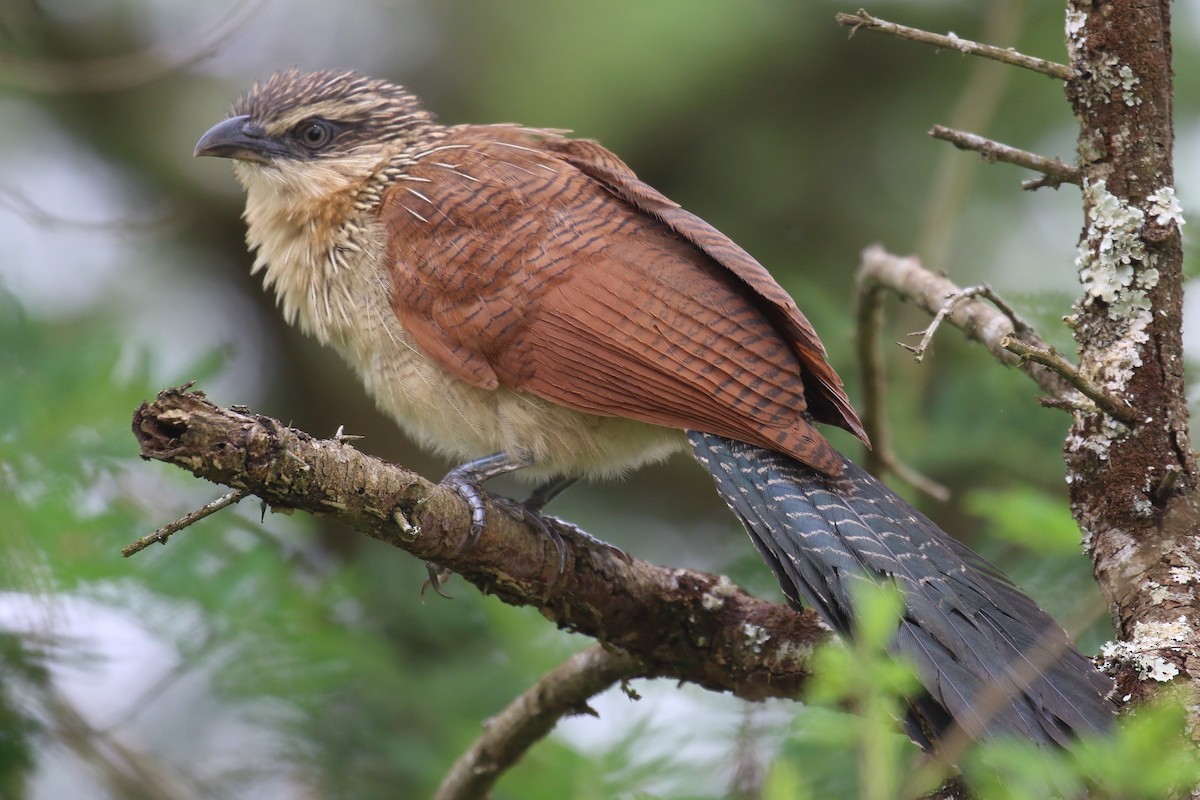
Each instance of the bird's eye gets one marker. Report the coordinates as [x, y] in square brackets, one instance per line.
[314, 133]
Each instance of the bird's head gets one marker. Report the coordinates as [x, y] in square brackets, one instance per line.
[313, 134]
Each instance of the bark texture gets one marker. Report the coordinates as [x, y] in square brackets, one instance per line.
[1132, 486]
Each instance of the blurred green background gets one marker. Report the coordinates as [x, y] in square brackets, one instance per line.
[281, 658]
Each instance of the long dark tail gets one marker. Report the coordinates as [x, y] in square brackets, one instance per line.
[989, 658]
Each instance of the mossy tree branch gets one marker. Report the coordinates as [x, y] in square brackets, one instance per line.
[678, 623]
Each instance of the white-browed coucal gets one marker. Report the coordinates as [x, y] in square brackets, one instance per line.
[521, 300]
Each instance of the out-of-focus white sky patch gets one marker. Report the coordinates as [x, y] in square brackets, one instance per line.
[1187, 189]
[121, 676]
[690, 731]
[80, 241]
[314, 34]
[63, 216]
[186, 314]
[105, 652]
[1035, 243]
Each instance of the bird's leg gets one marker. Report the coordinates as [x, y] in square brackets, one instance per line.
[545, 492]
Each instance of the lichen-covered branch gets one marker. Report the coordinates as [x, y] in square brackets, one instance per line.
[881, 271]
[677, 623]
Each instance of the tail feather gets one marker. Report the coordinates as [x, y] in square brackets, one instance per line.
[989, 658]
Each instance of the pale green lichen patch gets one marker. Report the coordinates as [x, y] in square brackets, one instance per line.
[715, 597]
[1127, 82]
[1118, 273]
[1177, 591]
[1185, 575]
[1143, 650]
[1117, 228]
[1107, 74]
[793, 652]
[1075, 22]
[756, 636]
[1116, 268]
[1099, 442]
[1165, 208]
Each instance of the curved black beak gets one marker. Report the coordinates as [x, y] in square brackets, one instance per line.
[238, 137]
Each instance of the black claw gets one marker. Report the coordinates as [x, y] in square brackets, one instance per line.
[435, 581]
[546, 526]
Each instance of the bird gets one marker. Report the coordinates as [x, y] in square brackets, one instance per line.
[518, 300]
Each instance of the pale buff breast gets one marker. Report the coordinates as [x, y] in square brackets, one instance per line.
[332, 282]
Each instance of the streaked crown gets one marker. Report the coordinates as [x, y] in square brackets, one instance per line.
[364, 109]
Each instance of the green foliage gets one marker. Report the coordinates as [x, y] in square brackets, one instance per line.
[24, 675]
[1027, 516]
[861, 754]
[1147, 757]
[63, 423]
[64, 420]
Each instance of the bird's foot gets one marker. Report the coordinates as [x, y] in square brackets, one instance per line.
[548, 526]
[555, 526]
[466, 481]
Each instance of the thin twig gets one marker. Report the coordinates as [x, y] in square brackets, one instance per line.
[1055, 172]
[1082, 406]
[22, 205]
[119, 768]
[1002, 331]
[1020, 326]
[927, 335]
[892, 463]
[928, 290]
[862, 19]
[562, 692]
[1046, 356]
[1033, 184]
[881, 458]
[161, 535]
